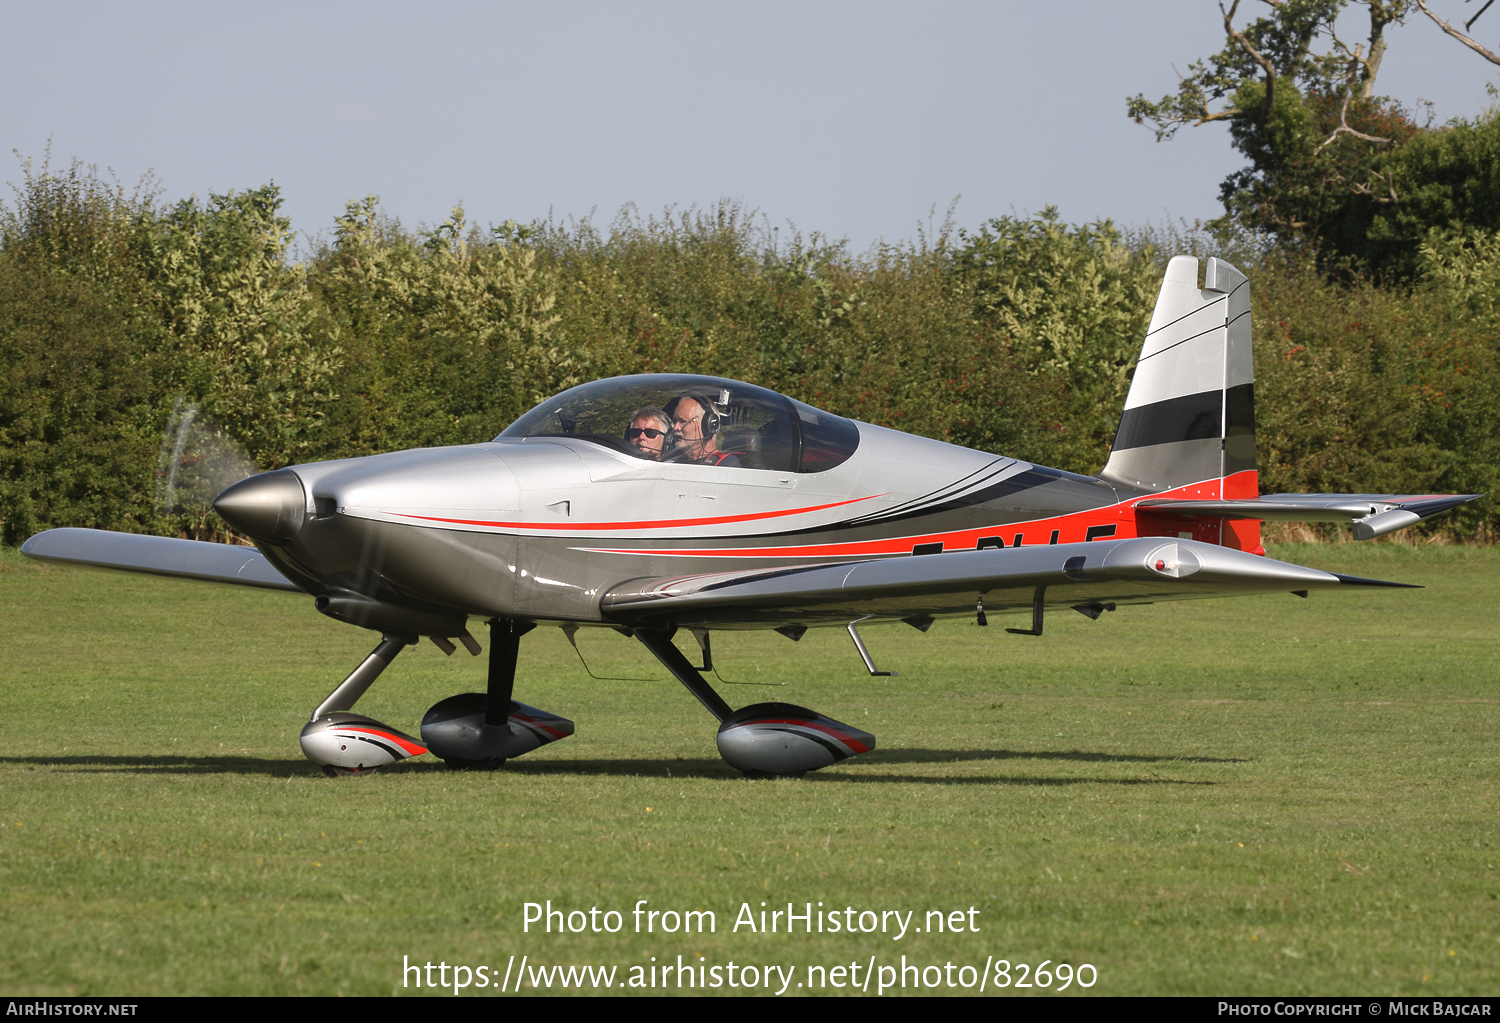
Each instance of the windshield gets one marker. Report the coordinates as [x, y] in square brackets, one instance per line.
[673, 417]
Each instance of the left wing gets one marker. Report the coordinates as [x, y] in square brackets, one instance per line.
[157, 555]
[1086, 576]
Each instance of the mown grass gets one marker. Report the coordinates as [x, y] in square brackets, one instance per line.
[1267, 795]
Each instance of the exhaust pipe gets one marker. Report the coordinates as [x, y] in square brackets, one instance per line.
[382, 616]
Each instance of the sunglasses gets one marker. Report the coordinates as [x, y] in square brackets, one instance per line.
[634, 432]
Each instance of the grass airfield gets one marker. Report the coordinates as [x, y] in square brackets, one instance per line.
[1257, 796]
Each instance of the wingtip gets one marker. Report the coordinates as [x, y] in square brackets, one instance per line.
[1354, 580]
[35, 545]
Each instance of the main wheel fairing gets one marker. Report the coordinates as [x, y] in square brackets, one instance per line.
[783, 738]
[354, 743]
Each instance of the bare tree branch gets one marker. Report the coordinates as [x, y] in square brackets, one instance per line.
[1469, 25]
[1456, 34]
[1381, 15]
[1344, 129]
[1359, 67]
[1385, 179]
[1237, 36]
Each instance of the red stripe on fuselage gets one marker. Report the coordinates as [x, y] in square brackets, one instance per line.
[1072, 528]
[644, 523]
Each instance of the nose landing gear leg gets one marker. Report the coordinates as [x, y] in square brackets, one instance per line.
[350, 744]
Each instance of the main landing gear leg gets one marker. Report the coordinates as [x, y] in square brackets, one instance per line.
[351, 744]
[765, 740]
[660, 644]
[480, 731]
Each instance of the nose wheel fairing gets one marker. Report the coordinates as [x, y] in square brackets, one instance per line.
[483, 730]
[460, 731]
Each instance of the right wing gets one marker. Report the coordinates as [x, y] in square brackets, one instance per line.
[1085, 576]
[157, 555]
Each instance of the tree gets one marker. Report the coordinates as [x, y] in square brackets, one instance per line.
[1301, 106]
[447, 332]
[242, 320]
[1333, 167]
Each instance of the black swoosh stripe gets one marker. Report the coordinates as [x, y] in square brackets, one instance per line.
[1031, 478]
[1185, 315]
[1191, 337]
[1189, 417]
[393, 751]
[540, 733]
[986, 472]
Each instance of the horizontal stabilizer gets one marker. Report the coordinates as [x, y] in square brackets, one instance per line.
[1311, 507]
[157, 555]
[1354, 580]
[1138, 570]
[1372, 515]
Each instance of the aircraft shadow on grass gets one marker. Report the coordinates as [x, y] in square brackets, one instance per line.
[904, 755]
[685, 768]
[175, 765]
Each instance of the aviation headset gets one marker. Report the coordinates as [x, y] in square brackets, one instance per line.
[712, 417]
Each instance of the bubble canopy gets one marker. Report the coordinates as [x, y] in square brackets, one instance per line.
[677, 417]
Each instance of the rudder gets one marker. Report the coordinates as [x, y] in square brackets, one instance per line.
[1189, 419]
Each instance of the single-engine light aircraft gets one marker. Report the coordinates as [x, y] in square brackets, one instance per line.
[661, 504]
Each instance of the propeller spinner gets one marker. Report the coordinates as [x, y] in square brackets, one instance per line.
[270, 507]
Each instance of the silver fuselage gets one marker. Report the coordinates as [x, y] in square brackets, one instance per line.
[541, 528]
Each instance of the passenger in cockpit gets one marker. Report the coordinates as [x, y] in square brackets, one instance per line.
[695, 425]
[647, 434]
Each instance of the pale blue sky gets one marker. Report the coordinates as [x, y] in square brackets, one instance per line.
[848, 119]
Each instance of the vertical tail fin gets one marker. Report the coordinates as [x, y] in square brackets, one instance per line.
[1190, 416]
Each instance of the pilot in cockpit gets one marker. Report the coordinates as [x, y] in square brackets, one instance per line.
[695, 428]
[647, 434]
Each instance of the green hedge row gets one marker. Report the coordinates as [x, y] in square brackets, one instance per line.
[151, 352]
